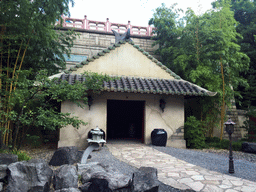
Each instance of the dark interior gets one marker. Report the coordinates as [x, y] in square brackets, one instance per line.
[125, 119]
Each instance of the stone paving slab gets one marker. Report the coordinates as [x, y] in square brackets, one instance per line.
[178, 173]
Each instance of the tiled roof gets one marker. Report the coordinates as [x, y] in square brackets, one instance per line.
[110, 48]
[146, 85]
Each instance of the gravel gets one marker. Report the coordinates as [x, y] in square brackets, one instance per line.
[216, 160]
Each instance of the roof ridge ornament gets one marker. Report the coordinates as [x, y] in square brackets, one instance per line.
[122, 37]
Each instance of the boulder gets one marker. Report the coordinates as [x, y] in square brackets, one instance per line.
[7, 159]
[249, 147]
[66, 155]
[85, 187]
[99, 185]
[84, 167]
[100, 171]
[145, 179]
[1, 186]
[33, 175]
[65, 177]
[3, 169]
[68, 190]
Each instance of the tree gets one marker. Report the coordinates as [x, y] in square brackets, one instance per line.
[28, 41]
[206, 52]
[245, 15]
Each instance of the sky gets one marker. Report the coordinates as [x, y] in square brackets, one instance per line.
[138, 12]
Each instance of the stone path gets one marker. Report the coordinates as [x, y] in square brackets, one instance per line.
[178, 173]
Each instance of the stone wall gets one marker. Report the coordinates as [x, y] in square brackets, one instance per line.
[91, 42]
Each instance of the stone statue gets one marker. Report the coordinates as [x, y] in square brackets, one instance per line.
[119, 37]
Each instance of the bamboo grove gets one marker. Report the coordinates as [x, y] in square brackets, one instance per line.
[204, 49]
[13, 50]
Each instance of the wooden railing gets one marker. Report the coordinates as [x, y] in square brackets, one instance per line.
[105, 26]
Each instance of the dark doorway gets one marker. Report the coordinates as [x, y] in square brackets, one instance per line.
[125, 119]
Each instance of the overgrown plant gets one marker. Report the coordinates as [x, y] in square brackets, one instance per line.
[194, 133]
[33, 102]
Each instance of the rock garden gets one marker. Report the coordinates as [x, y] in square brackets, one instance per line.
[65, 173]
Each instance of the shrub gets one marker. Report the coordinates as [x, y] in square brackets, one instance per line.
[237, 146]
[22, 156]
[194, 133]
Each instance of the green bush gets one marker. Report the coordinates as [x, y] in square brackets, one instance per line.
[194, 133]
[215, 142]
[212, 139]
[237, 146]
[22, 156]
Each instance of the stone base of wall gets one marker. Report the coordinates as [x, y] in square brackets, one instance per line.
[177, 143]
[177, 139]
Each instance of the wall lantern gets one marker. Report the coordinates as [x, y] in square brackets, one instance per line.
[162, 104]
[90, 99]
[230, 129]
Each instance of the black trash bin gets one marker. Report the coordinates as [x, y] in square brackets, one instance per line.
[159, 137]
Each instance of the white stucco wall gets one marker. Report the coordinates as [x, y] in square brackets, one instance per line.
[170, 120]
[125, 61]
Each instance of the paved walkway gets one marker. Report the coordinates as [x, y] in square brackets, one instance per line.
[177, 173]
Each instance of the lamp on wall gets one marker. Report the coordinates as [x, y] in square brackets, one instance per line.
[162, 104]
[90, 99]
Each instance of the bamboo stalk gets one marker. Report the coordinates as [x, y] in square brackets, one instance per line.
[8, 109]
[22, 59]
[223, 100]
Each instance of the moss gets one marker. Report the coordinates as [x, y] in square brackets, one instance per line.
[101, 53]
[106, 50]
[84, 62]
[79, 65]
[73, 69]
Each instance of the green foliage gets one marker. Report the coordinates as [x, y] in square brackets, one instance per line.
[36, 102]
[33, 140]
[250, 124]
[215, 142]
[245, 15]
[32, 23]
[195, 47]
[194, 133]
[22, 156]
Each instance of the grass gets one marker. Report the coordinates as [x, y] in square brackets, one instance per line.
[22, 155]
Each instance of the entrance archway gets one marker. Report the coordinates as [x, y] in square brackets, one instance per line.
[125, 119]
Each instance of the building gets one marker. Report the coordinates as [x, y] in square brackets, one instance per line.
[146, 96]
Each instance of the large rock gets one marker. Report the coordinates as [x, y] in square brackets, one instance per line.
[68, 190]
[84, 167]
[3, 169]
[7, 159]
[66, 155]
[249, 147]
[145, 180]
[65, 177]
[100, 171]
[99, 185]
[34, 175]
